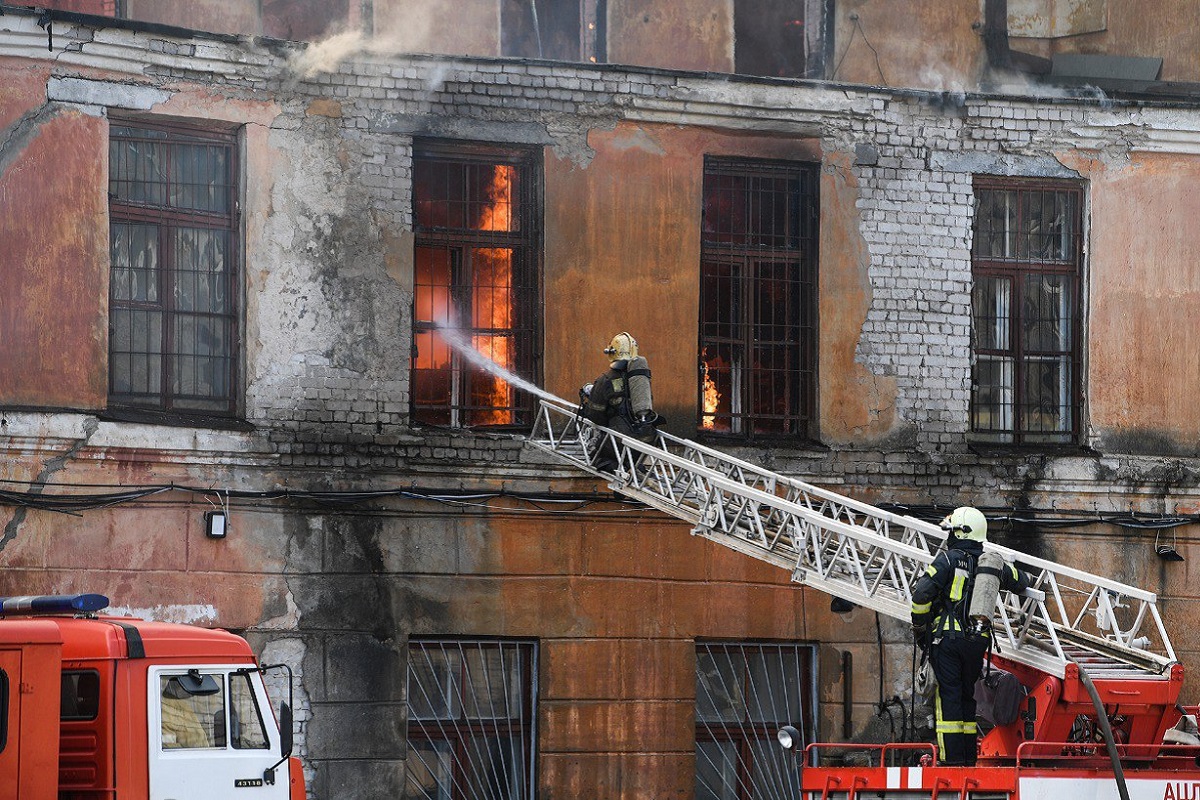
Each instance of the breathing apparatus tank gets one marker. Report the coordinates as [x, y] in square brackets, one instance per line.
[988, 571]
[641, 400]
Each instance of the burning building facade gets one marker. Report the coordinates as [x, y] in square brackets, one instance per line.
[920, 278]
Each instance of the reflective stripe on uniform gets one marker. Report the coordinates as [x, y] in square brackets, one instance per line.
[922, 608]
[956, 587]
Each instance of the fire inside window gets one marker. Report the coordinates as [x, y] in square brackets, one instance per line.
[475, 213]
[758, 298]
[173, 297]
[746, 692]
[1027, 268]
[471, 719]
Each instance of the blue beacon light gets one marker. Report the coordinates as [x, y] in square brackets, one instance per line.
[52, 604]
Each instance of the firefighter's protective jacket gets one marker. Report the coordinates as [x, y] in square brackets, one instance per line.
[608, 397]
[942, 596]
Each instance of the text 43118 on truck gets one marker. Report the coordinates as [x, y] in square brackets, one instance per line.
[101, 707]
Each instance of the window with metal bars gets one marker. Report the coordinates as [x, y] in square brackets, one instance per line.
[476, 213]
[758, 299]
[1027, 267]
[746, 692]
[174, 275]
[471, 719]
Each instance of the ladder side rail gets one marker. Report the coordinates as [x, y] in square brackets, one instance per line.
[1049, 569]
[931, 529]
[826, 494]
[895, 601]
[1049, 575]
[1162, 632]
[871, 511]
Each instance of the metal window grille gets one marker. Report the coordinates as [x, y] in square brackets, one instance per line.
[476, 257]
[471, 719]
[758, 292]
[173, 290]
[745, 692]
[1027, 264]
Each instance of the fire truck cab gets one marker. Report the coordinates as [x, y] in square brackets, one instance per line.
[98, 707]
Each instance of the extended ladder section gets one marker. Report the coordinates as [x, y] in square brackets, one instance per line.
[861, 553]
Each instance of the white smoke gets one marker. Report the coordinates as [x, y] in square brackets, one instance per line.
[410, 34]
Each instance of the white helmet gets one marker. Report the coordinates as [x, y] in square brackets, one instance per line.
[622, 347]
[966, 522]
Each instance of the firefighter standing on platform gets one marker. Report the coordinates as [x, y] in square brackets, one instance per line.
[940, 602]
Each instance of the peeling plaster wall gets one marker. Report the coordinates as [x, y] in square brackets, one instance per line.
[616, 600]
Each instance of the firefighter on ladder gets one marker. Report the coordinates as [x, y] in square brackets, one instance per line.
[941, 600]
[621, 398]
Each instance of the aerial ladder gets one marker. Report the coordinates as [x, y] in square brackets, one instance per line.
[1102, 675]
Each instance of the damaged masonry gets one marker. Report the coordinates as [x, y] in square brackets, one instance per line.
[226, 259]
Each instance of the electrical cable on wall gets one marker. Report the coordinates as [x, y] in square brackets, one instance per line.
[33, 495]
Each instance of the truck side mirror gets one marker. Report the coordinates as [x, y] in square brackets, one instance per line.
[285, 729]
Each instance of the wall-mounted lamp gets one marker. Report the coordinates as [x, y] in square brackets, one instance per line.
[1167, 552]
[215, 524]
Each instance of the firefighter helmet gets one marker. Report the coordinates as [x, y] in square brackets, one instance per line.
[622, 347]
[966, 522]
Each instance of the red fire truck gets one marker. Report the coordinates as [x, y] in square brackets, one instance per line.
[97, 707]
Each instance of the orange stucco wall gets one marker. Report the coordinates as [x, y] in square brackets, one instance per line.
[692, 34]
[890, 44]
[1143, 352]
[54, 278]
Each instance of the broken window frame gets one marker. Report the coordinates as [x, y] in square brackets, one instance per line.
[753, 764]
[1013, 333]
[740, 250]
[169, 210]
[463, 248]
[440, 687]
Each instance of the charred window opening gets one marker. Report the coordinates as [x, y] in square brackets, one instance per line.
[745, 692]
[173, 290]
[782, 38]
[476, 212]
[1027, 265]
[758, 299]
[471, 719]
[549, 29]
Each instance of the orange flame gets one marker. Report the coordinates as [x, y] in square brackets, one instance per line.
[711, 400]
[492, 304]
